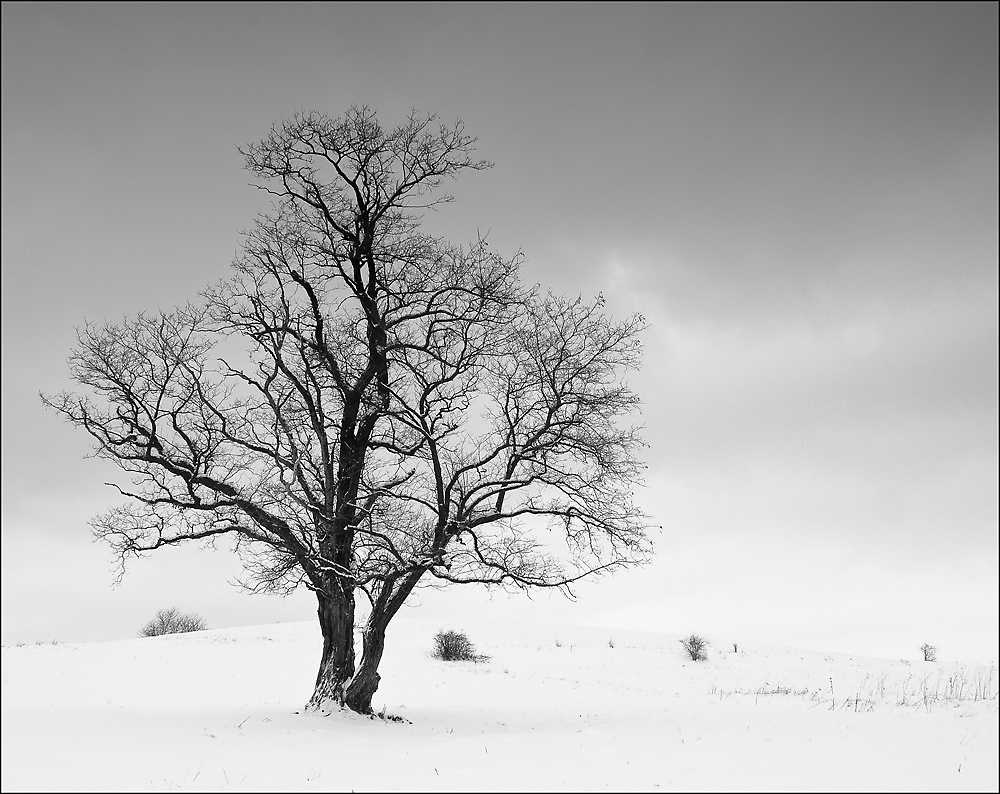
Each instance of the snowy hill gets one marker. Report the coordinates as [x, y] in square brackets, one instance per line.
[556, 708]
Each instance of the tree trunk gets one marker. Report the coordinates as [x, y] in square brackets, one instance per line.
[336, 668]
[365, 683]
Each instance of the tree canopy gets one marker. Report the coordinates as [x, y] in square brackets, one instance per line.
[364, 407]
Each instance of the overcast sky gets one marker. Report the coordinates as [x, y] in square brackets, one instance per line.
[802, 200]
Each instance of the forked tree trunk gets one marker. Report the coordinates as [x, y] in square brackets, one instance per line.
[336, 668]
[365, 683]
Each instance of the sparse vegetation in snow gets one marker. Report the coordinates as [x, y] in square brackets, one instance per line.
[884, 691]
[696, 647]
[172, 621]
[454, 646]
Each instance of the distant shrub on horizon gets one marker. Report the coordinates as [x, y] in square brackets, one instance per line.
[172, 621]
[929, 652]
[695, 647]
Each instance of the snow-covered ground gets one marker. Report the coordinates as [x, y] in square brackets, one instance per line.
[556, 708]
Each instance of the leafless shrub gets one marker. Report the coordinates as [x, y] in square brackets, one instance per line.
[454, 646]
[172, 621]
[929, 651]
[696, 647]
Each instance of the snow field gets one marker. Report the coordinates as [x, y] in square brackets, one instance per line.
[557, 708]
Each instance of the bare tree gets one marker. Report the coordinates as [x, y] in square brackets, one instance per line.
[364, 407]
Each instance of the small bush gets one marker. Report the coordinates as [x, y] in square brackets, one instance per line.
[695, 647]
[929, 651]
[454, 646]
[172, 621]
